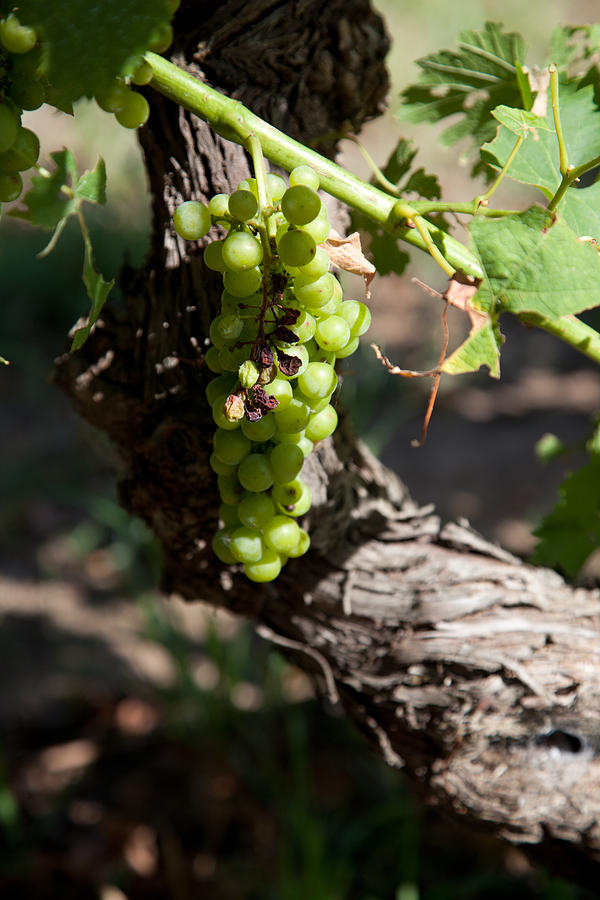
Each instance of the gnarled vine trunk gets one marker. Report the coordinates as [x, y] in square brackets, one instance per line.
[477, 674]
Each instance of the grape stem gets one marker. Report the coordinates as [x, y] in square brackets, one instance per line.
[233, 121]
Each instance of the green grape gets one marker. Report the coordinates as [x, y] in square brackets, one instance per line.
[305, 175]
[161, 38]
[318, 266]
[314, 293]
[16, 38]
[28, 94]
[221, 545]
[142, 74]
[218, 206]
[322, 424]
[241, 252]
[113, 98]
[242, 284]
[302, 545]
[249, 184]
[23, 154]
[224, 384]
[248, 373]
[243, 205]
[296, 248]
[9, 126]
[318, 380]
[332, 333]
[300, 204]
[282, 390]
[211, 358]
[319, 228]
[314, 403]
[134, 112]
[286, 461]
[292, 437]
[293, 418]
[349, 349]
[246, 544]
[213, 256]
[260, 431]
[356, 314]
[318, 354]
[191, 219]
[255, 510]
[306, 445]
[10, 187]
[229, 515]
[266, 569]
[230, 490]
[276, 187]
[215, 333]
[231, 358]
[219, 467]
[231, 446]
[254, 473]
[293, 497]
[230, 326]
[282, 534]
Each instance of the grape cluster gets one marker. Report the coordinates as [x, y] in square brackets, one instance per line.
[283, 322]
[21, 88]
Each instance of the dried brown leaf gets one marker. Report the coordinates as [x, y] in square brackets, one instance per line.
[346, 253]
[461, 290]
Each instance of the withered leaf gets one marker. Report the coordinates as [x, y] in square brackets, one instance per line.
[285, 334]
[288, 364]
[288, 316]
[263, 355]
[346, 253]
[461, 290]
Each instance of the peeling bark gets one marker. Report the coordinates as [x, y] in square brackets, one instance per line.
[475, 673]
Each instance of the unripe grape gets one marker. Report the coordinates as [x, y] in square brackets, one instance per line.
[286, 461]
[23, 154]
[246, 544]
[254, 473]
[260, 431]
[276, 186]
[142, 73]
[322, 424]
[191, 220]
[213, 256]
[218, 205]
[242, 284]
[221, 545]
[266, 569]
[242, 205]
[16, 38]
[134, 112]
[301, 547]
[9, 126]
[10, 187]
[241, 251]
[255, 510]
[296, 248]
[248, 374]
[113, 97]
[231, 446]
[300, 204]
[305, 175]
[282, 534]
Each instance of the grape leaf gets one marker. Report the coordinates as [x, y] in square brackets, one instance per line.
[533, 262]
[97, 290]
[521, 122]
[537, 161]
[481, 348]
[571, 531]
[110, 36]
[52, 200]
[485, 72]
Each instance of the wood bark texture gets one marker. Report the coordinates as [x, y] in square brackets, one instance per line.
[475, 673]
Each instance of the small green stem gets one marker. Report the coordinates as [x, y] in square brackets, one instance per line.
[562, 147]
[483, 198]
[421, 225]
[385, 183]
[264, 202]
[470, 209]
[569, 329]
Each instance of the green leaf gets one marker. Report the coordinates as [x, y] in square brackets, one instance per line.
[97, 290]
[92, 184]
[521, 122]
[481, 348]
[86, 45]
[387, 255]
[533, 262]
[399, 163]
[480, 75]
[538, 163]
[51, 196]
[571, 531]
